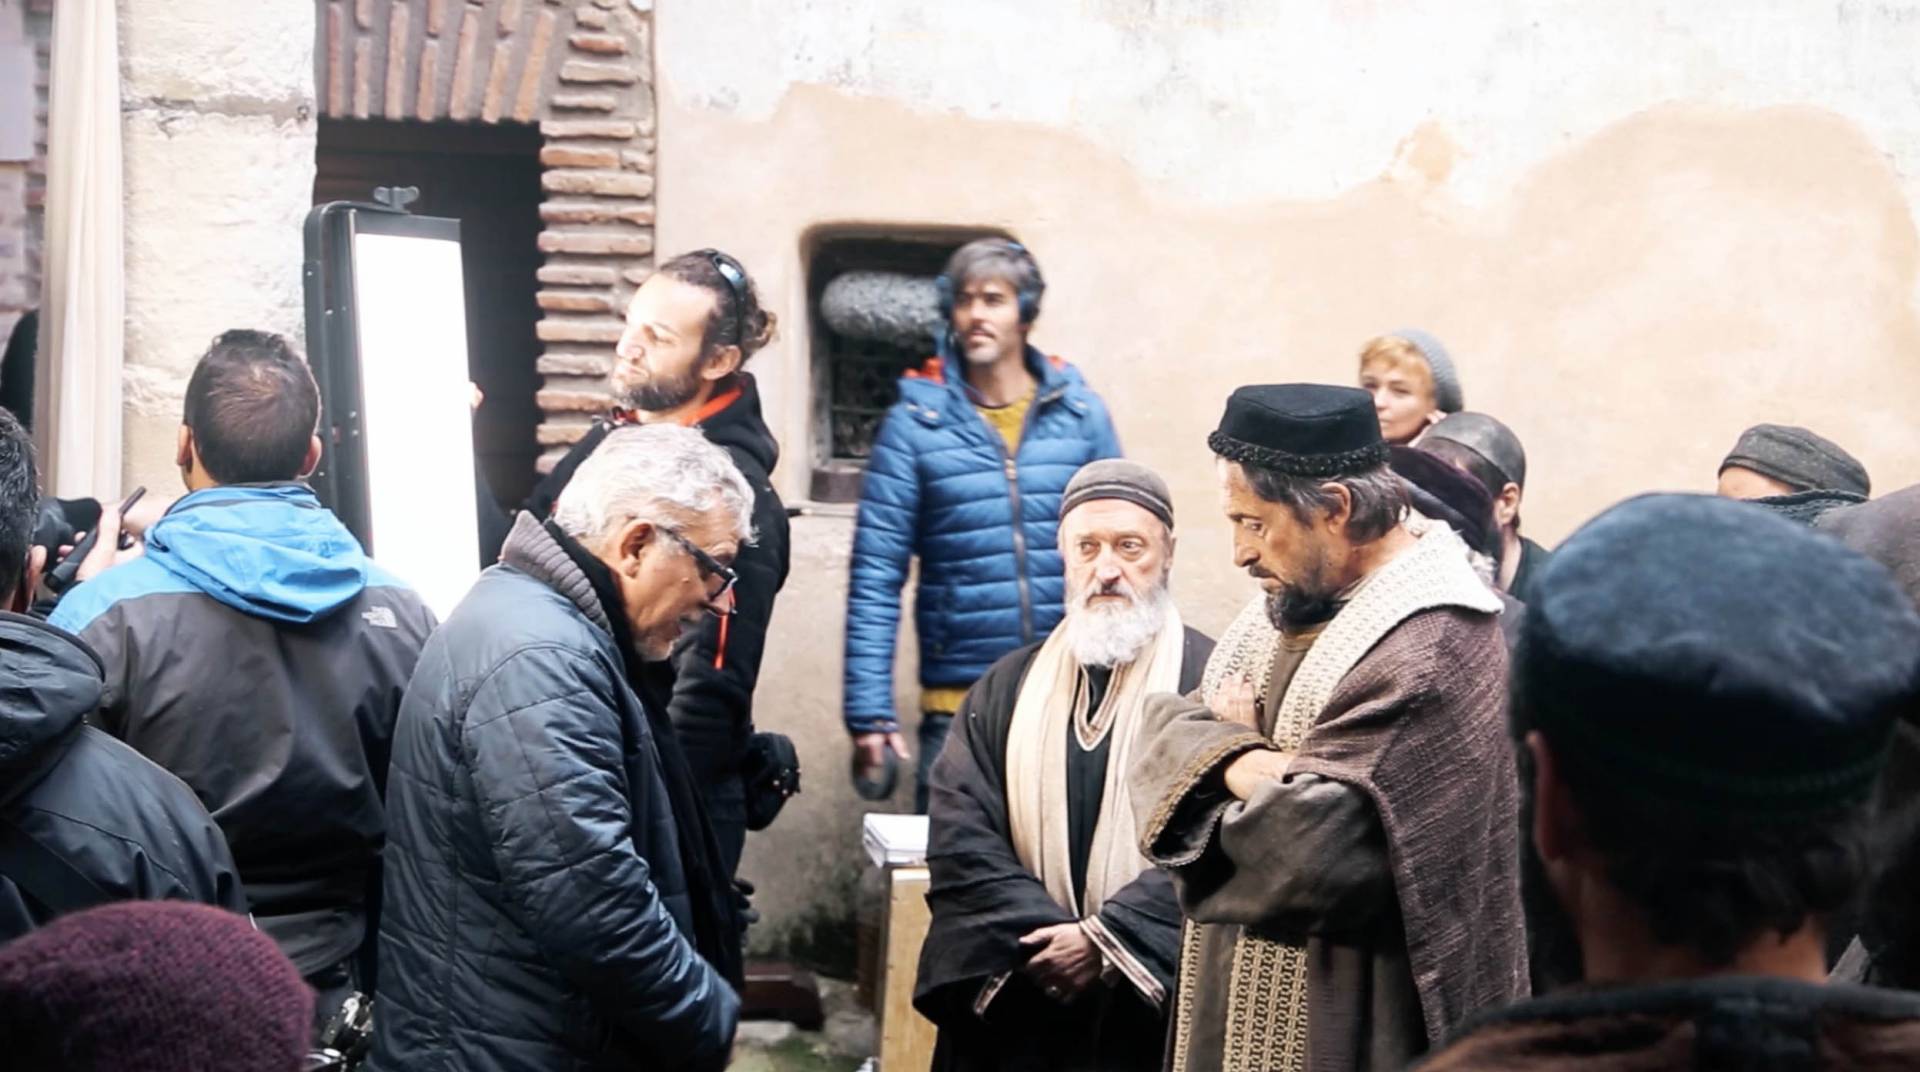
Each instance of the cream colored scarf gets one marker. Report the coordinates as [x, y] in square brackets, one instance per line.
[1045, 716]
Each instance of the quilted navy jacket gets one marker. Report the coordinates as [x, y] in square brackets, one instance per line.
[940, 485]
[540, 912]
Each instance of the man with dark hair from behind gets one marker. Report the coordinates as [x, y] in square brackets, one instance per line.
[1707, 693]
[257, 653]
[83, 818]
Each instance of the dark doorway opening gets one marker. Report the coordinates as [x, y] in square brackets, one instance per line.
[488, 178]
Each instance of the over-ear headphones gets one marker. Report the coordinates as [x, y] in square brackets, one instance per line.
[736, 281]
[1028, 295]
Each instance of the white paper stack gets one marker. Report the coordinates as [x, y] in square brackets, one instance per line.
[895, 840]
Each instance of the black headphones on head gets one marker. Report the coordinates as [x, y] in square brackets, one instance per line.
[736, 280]
[1028, 296]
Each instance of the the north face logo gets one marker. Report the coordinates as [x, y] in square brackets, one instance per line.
[380, 618]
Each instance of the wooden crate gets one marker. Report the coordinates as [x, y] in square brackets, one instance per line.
[906, 1037]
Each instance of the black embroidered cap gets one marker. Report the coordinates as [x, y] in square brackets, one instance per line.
[1712, 657]
[1306, 429]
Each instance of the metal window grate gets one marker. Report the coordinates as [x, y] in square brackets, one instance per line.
[863, 380]
[855, 380]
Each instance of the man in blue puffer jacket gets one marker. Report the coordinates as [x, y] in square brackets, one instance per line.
[967, 471]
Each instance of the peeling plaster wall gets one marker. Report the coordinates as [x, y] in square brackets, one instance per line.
[217, 103]
[1639, 227]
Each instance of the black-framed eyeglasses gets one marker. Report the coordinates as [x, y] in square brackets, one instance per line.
[709, 566]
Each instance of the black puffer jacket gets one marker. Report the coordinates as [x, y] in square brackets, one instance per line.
[133, 830]
[547, 905]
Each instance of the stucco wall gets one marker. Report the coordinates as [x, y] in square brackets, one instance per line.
[217, 101]
[1639, 227]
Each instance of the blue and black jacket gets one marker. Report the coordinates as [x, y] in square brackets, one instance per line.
[259, 655]
[940, 485]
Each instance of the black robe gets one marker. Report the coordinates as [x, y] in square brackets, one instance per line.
[983, 899]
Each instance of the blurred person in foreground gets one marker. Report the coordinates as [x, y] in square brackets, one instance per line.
[1707, 694]
[151, 987]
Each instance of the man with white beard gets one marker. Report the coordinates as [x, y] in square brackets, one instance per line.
[1054, 943]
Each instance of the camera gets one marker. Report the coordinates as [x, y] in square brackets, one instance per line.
[344, 1042]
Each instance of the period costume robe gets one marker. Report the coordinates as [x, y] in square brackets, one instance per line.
[1358, 909]
[1031, 827]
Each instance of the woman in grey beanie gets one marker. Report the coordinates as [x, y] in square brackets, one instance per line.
[1413, 383]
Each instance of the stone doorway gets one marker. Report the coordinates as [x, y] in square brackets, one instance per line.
[488, 178]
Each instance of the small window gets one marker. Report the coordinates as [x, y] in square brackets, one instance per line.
[878, 322]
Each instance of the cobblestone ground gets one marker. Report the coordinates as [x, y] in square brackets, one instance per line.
[842, 1044]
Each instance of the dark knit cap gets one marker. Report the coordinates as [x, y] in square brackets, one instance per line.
[1444, 493]
[1305, 429]
[1706, 656]
[152, 986]
[1799, 459]
[1118, 478]
[1493, 441]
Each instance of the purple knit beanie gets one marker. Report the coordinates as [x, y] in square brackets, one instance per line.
[152, 986]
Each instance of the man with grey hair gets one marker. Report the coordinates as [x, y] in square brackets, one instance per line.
[1053, 940]
[554, 893]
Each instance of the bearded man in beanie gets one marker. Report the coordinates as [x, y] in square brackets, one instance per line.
[1339, 813]
[1053, 940]
[1792, 472]
[1707, 694]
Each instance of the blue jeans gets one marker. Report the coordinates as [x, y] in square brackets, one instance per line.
[933, 734]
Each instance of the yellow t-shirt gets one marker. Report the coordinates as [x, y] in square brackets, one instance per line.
[944, 700]
[1009, 419]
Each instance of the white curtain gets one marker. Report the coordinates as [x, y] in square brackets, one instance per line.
[82, 320]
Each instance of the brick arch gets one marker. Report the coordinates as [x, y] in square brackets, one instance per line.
[582, 70]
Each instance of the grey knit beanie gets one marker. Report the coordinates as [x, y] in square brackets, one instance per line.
[1797, 458]
[1448, 396]
[1118, 478]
